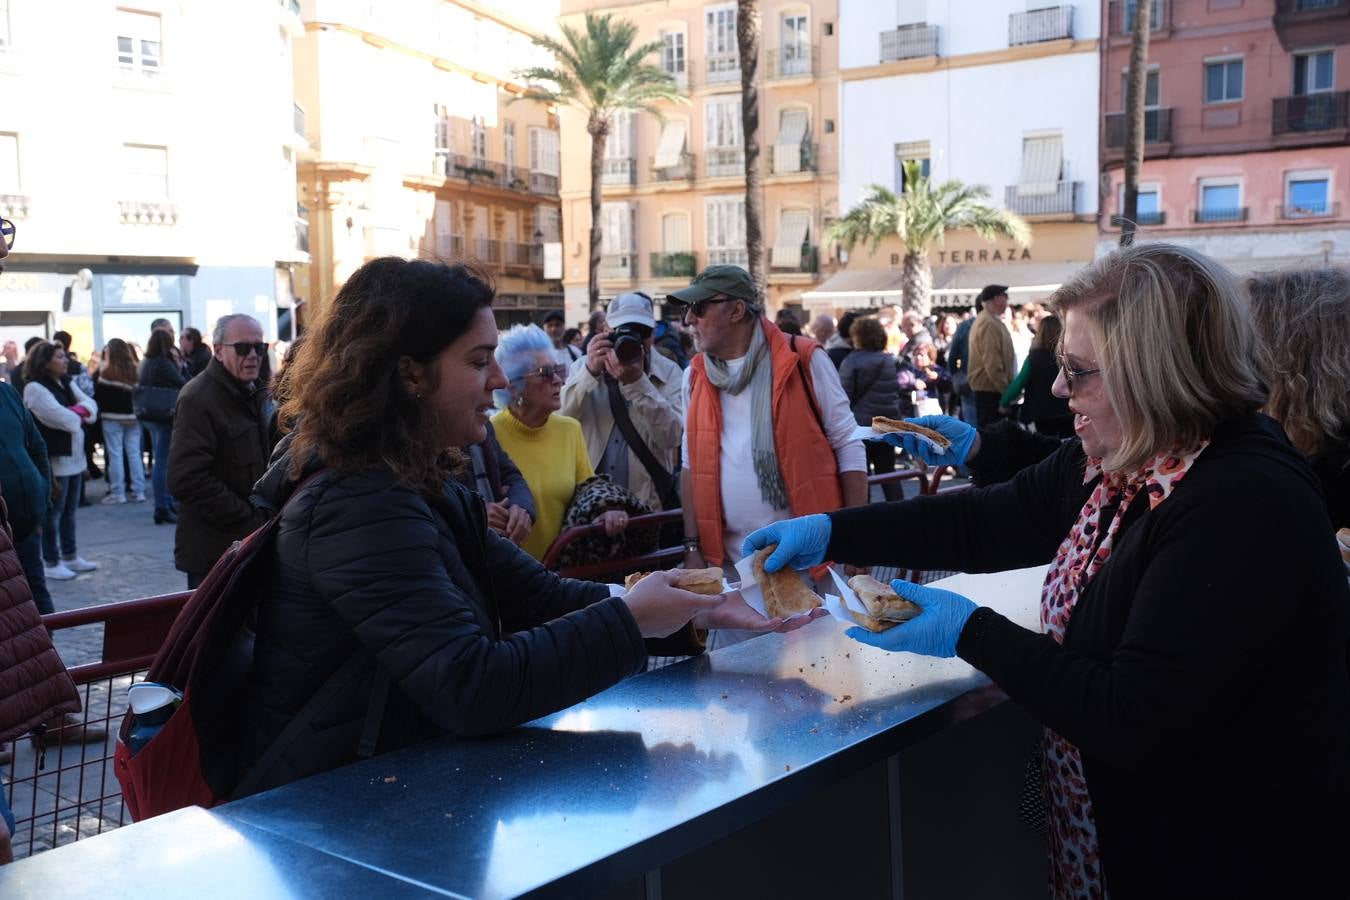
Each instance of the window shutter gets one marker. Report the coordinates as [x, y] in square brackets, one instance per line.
[675, 233]
[793, 227]
[1042, 159]
[671, 146]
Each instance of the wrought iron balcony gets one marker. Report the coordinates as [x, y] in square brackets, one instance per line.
[618, 265]
[683, 264]
[1142, 219]
[909, 42]
[1224, 214]
[1050, 24]
[723, 67]
[788, 159]
[148, 212]
[543, 184]
[487, 249]
[1157, 127]
[808, 262]
[619, 172]
[14, 206]
[1323, 210]
[723, 162]
[794, 61]
[681, 171]
[518, 255]
[450, 246]
[1120, 16]
[729, 256]
[1311, 112]
[1062, 200]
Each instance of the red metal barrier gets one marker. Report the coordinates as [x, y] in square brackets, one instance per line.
[76, 795]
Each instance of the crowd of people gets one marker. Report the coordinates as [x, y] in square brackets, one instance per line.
[419, 492]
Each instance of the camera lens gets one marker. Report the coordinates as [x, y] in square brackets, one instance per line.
[627, 349]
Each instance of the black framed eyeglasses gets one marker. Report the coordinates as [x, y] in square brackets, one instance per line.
[1071, 374]
[7, 233]
[548, 373]
[242, 348]
[699, 307]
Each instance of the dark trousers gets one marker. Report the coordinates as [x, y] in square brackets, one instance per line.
[881, 457]
[59, 525]
[986, 407]
[161, 436]
[30, 557]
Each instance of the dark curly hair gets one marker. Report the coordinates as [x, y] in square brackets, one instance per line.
[344, 388]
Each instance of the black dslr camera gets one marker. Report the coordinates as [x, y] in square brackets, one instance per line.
[628, 340]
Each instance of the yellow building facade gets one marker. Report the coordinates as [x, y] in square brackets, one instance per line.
[416, 147]
[674, 190]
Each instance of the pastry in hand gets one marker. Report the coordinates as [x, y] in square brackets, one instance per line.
[698, 581]
[885, 608]
[884, 425]
[785, 594]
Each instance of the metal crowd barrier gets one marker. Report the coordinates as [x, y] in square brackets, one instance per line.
[75, 794]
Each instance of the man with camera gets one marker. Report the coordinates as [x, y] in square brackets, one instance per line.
[627, 399]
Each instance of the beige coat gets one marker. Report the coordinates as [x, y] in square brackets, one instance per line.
[655, 406]
[991, 355]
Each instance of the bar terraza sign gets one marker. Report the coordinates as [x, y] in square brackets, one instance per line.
[956, 257]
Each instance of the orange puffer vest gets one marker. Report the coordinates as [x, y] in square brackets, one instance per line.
[805, 457]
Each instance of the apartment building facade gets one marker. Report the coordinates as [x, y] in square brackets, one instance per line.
[1005, 97]
[417, 148]
[674, 190]
[142, 183]
[1246, 128]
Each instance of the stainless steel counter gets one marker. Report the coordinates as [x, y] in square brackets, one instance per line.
[614, 788]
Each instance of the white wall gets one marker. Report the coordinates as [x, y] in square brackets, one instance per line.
[974, 119]
[964, 26]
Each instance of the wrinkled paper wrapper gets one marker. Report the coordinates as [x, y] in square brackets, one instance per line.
[750, 592]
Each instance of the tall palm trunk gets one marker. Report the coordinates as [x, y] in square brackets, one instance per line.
[916, 281]
[598, 128]
[747, 40]
[1135, 88]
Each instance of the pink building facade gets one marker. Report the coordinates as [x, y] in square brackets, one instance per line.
[1247, 126]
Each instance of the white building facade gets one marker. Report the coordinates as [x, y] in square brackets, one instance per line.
[149, 169]
[998, 94]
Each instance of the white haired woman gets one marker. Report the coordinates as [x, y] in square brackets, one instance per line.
[548, 448]
[1191, 666]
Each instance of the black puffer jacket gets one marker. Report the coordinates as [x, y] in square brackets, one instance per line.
[475, 636]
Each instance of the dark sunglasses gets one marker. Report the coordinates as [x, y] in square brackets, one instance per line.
[242, 348]
[7, 232]
[548, 373]
[699, 307]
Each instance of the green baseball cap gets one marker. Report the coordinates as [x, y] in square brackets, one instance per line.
[714, 281]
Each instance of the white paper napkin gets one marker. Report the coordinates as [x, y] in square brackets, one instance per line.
[847, 599]
[750, 592]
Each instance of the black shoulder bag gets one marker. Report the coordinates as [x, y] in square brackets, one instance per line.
[666, 488]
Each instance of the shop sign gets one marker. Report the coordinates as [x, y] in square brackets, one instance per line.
[142, 290]
[19, 281]
[957, 257]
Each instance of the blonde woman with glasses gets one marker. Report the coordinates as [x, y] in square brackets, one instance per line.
[1190, 668]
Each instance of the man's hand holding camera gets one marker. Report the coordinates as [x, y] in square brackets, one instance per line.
[601, 355]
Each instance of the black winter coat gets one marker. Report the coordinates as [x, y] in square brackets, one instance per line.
[475, 636]
[1203, 673]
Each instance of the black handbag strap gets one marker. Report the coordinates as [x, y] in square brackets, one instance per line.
[662, 479]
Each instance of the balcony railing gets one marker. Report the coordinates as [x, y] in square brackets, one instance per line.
[1157, 127]
[14, 206]
[787, 159]
[618, 265]
[1311, 112]
[1226, 214]
[725, 161]
[674, 265]
[450, 246]
[1323, 210]
[543, 184]
[1061, 200]
[1120, 16]
[298, 119]
[909, 42]
[723, 67]
[148, 212]
[1286, 7]
[1050, 24]
[1142, 219]
[729, 257]
[807, 262]
[619, 172]
[681, 171]
[487, 249]
[301, 228]
[794, 61]
[518, 255]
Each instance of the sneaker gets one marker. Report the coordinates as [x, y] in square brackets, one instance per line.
[80, 564]
[58, 572]
[138, 498]
[113, 498]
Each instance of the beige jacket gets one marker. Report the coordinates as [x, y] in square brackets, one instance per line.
[991, 355]
[655, 406]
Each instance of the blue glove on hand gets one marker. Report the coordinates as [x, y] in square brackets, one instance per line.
[931, 633]
[959, 433]
[801, 542]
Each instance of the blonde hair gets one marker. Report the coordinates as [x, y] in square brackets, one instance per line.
[1175, 344]
[1303, 319]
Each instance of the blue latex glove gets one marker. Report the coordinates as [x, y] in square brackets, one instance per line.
[801, 542]
[959, 433]
[931, 633]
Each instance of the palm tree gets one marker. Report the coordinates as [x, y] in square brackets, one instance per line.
[747, 43]
[921, 217]
[600, 72]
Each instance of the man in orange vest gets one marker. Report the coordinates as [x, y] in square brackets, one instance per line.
[768, 434]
